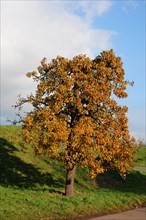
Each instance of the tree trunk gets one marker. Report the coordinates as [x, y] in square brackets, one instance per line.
[69, 187]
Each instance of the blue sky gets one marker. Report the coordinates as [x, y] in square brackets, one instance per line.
[31, 30]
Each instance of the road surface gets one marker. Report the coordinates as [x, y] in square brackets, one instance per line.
[135, 214]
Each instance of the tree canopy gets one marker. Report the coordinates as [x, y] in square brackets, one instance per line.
[75, 115]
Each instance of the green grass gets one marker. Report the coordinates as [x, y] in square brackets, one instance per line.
[32, 187]
[141, 156]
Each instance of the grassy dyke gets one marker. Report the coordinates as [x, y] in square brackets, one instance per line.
[32, 187]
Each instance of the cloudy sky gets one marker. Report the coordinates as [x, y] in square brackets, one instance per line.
[31, 30]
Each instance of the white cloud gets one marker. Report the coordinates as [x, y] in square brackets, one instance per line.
[31, 30]
[89, 9]
[130, 4]
[96, 9]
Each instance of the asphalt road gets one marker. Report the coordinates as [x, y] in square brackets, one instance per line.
[135, 214]
[140, 168]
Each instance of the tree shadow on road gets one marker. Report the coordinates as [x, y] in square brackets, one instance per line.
[15, 172]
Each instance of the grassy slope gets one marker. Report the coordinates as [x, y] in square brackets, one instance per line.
[31, 186]
[141, 156]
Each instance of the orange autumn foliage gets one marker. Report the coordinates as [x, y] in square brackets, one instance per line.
[75, 116]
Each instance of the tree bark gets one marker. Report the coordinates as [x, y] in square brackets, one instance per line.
[69, 187]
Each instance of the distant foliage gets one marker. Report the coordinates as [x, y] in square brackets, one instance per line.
[75, 117]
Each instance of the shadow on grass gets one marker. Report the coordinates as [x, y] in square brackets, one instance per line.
[135, 182]
[15, 172]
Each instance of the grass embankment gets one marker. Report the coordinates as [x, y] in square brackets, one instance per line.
[141, 156]
[31, 187]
